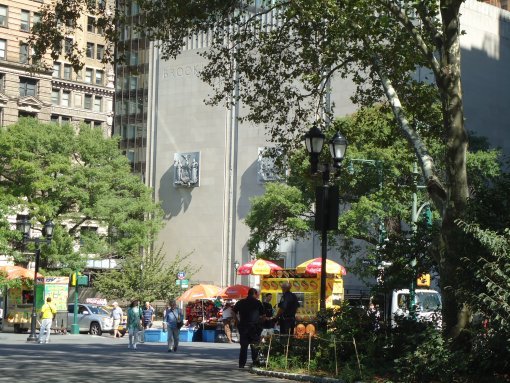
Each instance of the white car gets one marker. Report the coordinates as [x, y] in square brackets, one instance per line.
[91, 318]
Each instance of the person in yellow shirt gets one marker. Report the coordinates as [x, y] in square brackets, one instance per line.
[48, 311]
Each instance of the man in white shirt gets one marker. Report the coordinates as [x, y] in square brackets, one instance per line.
[117, 318]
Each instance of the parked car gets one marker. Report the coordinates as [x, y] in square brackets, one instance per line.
[91, 318]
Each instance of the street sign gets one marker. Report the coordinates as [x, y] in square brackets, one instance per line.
[184, 283]
[181, 275]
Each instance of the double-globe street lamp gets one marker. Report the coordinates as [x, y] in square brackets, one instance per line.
[326, 196]
[48, 234]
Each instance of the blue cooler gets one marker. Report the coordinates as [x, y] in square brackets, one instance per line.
[186, 335]
[158, 336]
[208, 336]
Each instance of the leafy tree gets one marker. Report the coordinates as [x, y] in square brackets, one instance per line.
[281, 54]
[74, 177]
[144, 277]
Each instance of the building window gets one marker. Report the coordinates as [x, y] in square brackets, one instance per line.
[54, 118]
[2, 80]
[25, 21]
[65, 120]
[68, 71]
[3, 49]
[68, 45]
[91, 24]
[3, 16]
[88, 102]
[36, 18]
[133, 82]
[27, 86]
[98, 101]
[23, 53]
[99, 77]
[90, 50]
[98, 124]
[88, 75]
[100, 52]
[55, 96]
[66, 98]
[133, 58]
[56, 70]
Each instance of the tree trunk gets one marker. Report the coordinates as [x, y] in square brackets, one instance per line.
[449, 85]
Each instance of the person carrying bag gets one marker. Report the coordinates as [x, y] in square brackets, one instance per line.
[173, 321]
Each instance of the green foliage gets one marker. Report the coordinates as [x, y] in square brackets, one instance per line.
[74, 178]
[145, 277]
[280, 212]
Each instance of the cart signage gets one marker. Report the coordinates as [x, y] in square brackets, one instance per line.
[181, 275]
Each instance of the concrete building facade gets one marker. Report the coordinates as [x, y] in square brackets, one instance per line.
[59, 95]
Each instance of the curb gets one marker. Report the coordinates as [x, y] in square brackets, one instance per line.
[297, 377]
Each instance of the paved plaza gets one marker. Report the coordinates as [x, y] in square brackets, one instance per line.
[87, 358]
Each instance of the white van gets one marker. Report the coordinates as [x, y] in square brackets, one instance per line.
[428, 305]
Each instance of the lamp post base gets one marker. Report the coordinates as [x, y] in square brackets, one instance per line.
[75, 329]
[33, 337]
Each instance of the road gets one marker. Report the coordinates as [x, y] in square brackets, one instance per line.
[87, 358]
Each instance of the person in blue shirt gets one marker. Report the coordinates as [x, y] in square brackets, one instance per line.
[173, 319]
[147, 315]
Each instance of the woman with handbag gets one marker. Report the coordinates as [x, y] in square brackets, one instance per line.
[174, 321]
[134, 323]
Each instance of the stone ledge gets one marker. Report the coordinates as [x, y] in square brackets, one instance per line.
[297, 377]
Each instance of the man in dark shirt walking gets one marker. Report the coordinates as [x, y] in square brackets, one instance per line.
[287, 309]
[251, 315]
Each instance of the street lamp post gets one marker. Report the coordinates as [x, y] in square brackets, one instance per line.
[48, 232]
[236, 267]
[326, 207]
[415, 213]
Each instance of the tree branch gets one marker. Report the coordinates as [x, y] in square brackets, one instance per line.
[401, 16]
[436, 190]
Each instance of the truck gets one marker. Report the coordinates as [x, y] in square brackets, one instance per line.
[427, 303]
[307, 289]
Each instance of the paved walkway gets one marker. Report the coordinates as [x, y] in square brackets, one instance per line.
[87, 358]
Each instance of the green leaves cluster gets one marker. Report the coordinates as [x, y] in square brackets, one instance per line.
[74, 177]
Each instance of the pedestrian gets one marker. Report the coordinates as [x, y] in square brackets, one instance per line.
[268, 325]
[174, 320]
[227, 317]
[116, 315]
[251, 315]
[287, 309]
[48, 311]
[134, 323]
[148, 316]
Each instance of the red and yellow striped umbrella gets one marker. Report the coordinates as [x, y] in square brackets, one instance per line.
[314, 266]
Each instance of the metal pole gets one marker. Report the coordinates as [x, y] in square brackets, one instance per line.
[414, 219]
[324, 236]
[32, 337]
[75, 329]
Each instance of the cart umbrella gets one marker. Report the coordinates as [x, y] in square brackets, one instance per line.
[314, 266]
[234, 292]
[200, 292]
[258, 267]
[14, 272]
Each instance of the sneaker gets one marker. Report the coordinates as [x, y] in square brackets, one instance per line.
[134, 347]
[175, 349]
[169, 350]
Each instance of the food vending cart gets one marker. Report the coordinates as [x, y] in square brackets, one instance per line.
[20, 302]
[307, 289]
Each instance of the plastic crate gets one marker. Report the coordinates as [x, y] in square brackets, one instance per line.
[186, 335]
[208, 336]
[155, 336]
